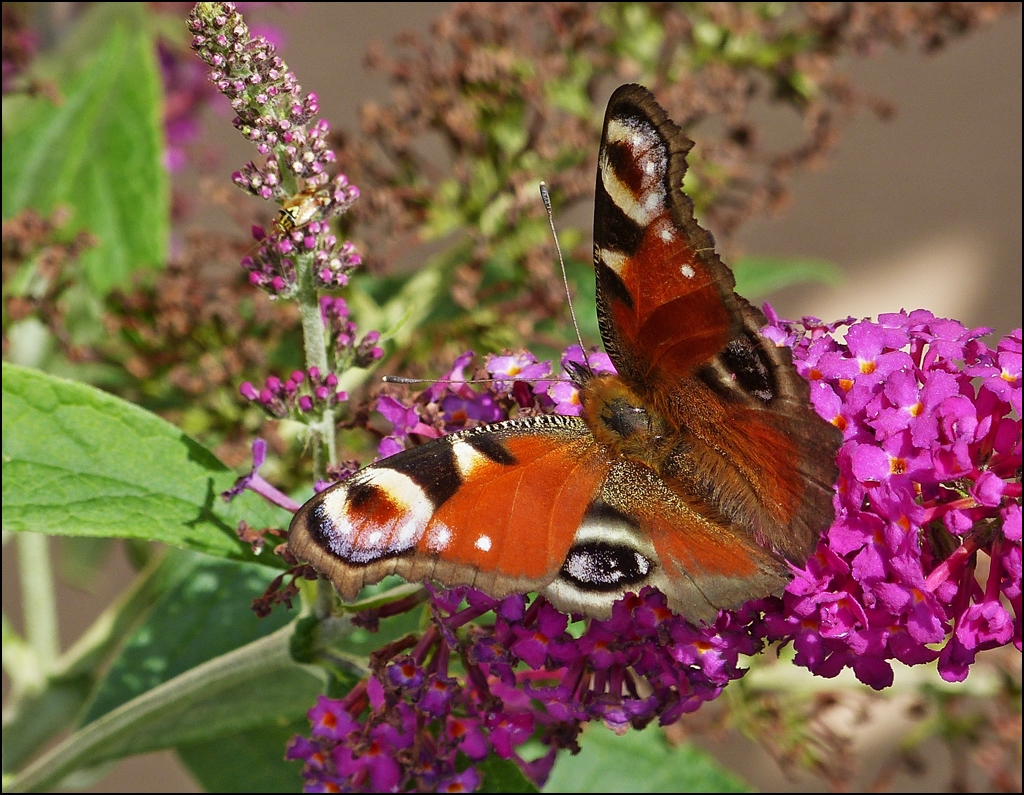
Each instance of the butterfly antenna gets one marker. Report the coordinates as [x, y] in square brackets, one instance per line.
[546, 198]
[401, 379]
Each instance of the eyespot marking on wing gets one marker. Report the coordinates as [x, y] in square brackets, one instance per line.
[383, 512]
[608, 553]
[600, 566]
[332, 504]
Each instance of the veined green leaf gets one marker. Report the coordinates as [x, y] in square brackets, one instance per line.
[78, 461]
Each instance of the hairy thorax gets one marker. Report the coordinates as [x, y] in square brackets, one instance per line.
[621, 421]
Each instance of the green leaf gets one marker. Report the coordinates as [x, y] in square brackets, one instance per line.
[503, 775]
[758, 276]
[253, 686]
[80, 462]
[638, 762]
[640, 33]
[206, 615]
[99, 149]
[250, 761]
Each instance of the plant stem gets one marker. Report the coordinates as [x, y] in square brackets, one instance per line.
[315, 343]
[322, 433]
[325, 598]
[38, 603]
[130, 728]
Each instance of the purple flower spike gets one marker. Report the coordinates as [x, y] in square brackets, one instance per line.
[520, 366]
[302, 393]
[280, 121]
[928, 482]
[923, 444]
[563, 394]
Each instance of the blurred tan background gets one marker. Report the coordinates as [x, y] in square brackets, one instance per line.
[921, 211]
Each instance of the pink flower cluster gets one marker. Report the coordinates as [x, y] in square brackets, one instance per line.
[304, 391]
[272, 268]
[516, 380]
[273, 114]
[928, 500]
[922, 563]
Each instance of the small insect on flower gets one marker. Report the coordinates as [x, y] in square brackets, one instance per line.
[300, 209]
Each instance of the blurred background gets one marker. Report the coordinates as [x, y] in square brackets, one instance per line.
[919, 209]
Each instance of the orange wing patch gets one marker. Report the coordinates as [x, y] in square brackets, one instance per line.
[519, 519]
[706, 563]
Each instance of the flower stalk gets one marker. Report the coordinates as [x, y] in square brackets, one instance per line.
[298, 258]
[314, 342]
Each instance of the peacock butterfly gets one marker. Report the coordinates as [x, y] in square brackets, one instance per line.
[699, 469]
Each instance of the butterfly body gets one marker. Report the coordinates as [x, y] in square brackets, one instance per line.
[699, 468]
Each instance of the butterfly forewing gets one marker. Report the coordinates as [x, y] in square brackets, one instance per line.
[496, 507]
[747, 446]
[665, 300]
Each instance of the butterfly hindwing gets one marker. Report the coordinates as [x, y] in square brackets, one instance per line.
[640, 532]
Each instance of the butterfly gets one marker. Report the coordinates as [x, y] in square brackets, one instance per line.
[699, 469]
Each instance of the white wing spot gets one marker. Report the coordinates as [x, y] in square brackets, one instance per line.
[483, 543]
[440, 537]
[687, 271]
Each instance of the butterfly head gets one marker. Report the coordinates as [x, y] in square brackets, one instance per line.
[579, 372]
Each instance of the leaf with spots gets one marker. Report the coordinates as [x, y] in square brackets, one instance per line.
[207, 614]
